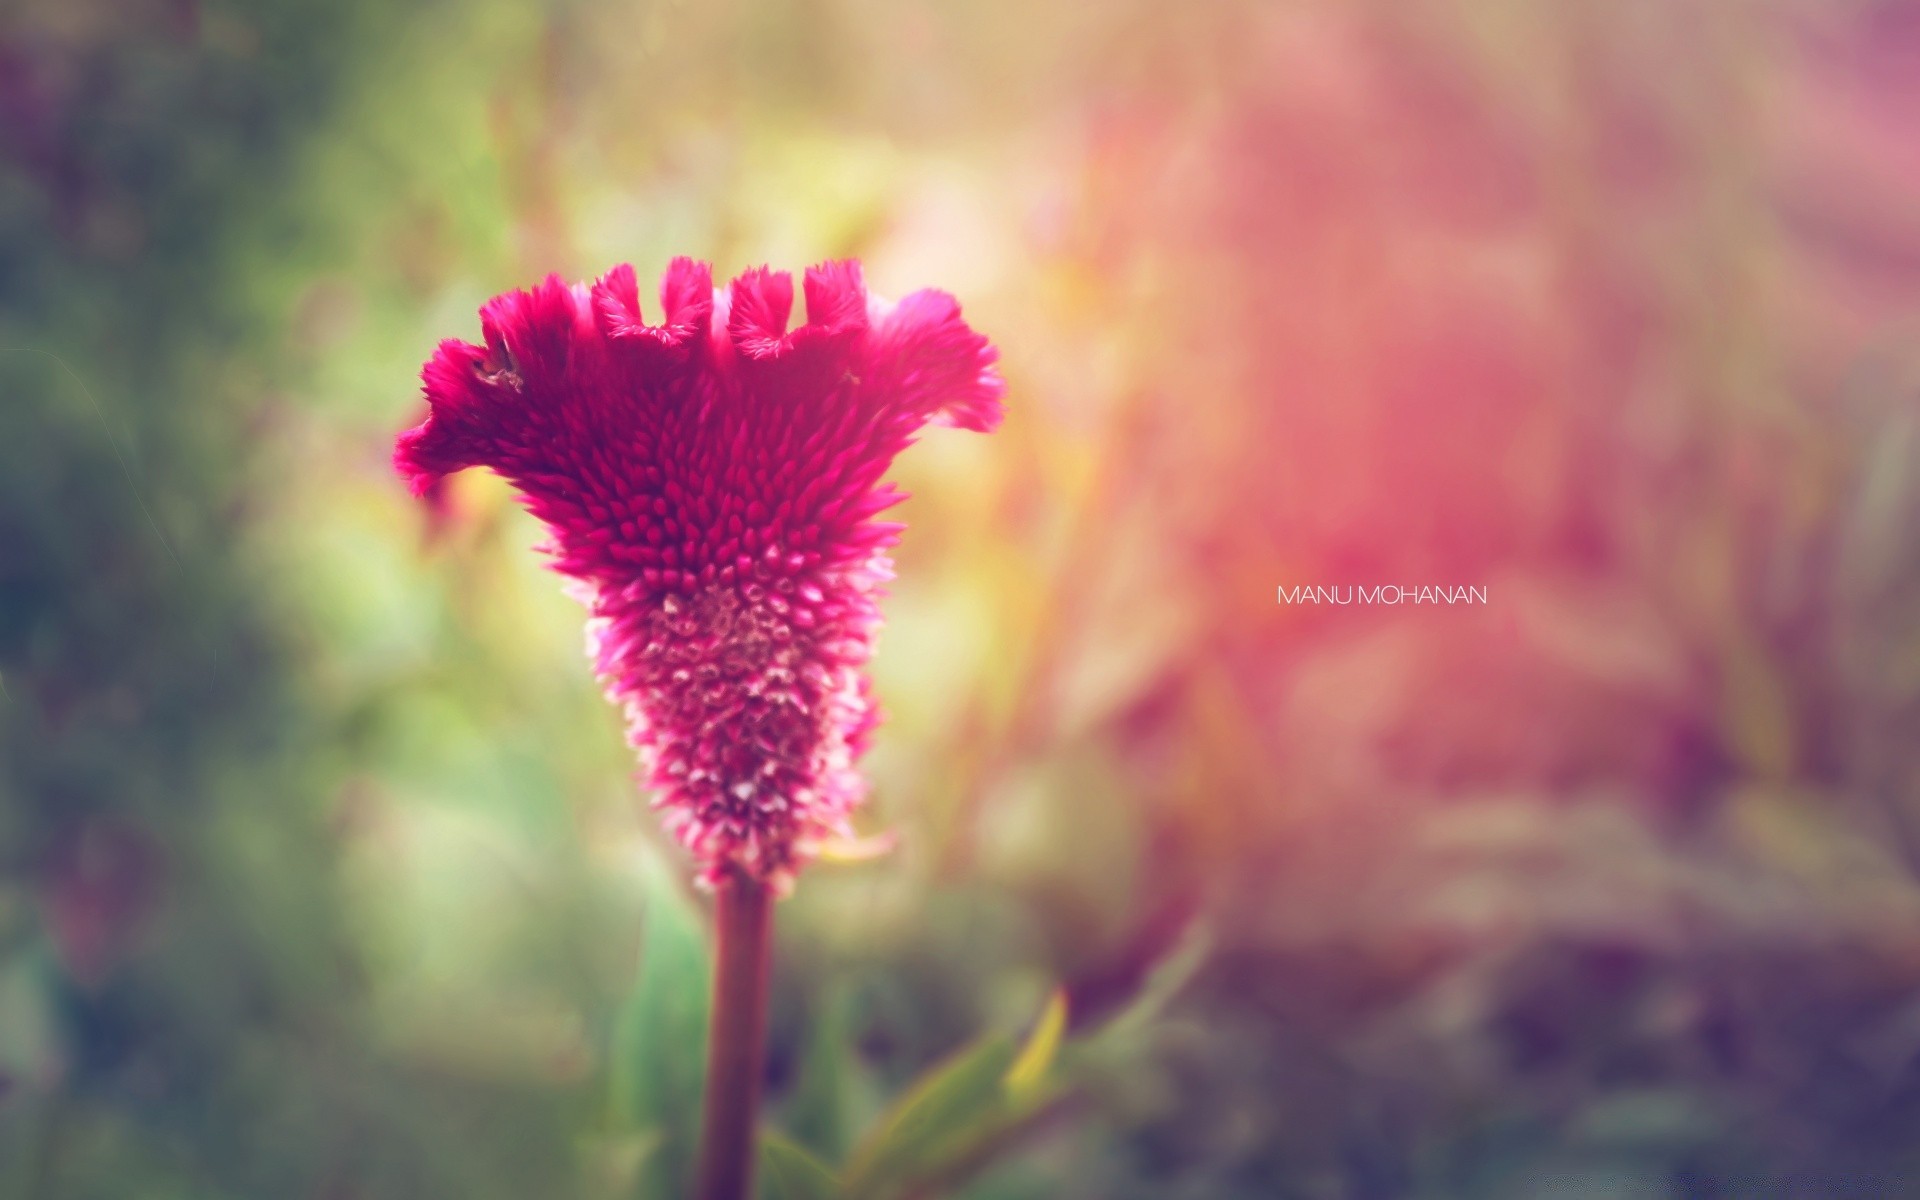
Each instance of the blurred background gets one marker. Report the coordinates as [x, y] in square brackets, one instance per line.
[322, 874]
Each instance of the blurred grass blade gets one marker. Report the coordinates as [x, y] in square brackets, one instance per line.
[962, 1112]
[789, 1171]
[1164, 982]
[820, 1109]
[658, 1053]
[1043, 1046]
[917, 1131]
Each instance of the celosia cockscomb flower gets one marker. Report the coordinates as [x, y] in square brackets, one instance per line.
[712, 483]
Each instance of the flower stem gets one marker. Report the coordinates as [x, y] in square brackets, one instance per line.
[737, 1038]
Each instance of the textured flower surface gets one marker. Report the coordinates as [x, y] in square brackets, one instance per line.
[711, 484]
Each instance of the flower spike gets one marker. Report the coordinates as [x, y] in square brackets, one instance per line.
[711, 485]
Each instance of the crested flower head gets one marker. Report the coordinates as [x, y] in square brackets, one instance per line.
[711, 485]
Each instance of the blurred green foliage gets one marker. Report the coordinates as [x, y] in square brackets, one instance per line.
[321, 871]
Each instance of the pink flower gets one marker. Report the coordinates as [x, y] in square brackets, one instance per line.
[711, 483]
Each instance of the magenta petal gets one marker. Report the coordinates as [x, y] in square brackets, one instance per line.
[532, 333]
[760, 301]
[686, 302]
[836, 297]
[616, 303]
[931, 363]
[686, 296]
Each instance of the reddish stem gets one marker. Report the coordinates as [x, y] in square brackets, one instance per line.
[737, 1038]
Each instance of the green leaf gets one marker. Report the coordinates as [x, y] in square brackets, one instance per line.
[1168, 976]
[963, 1113]
[789, 1171]
[1043, 1045]
[659, 1043]
[820, 1110]
[917, 1132]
